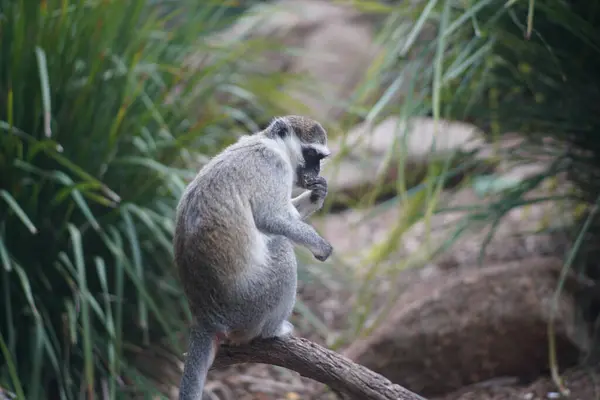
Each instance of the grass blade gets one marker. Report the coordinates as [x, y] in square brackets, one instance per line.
[12, 370]
[85, 316]
[418, 27]
[12, 203]
[134, 246]
[110, 325]
[10, 322]
[45, 87]
[26, 286]
[35, 383]
[4, 257]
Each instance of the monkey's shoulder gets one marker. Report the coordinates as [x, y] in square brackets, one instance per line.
[249, 158]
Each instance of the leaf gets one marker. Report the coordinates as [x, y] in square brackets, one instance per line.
[35, 383]
[45, 86]
[418, 27]
[4, 256]
[110, 325]
[11, 369]
[18, 211]
[78, 198]
[147, 219]
[139, 268]
[26, 286]
[85, 317]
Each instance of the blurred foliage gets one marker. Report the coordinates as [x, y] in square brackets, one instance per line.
[506, 66]
[98, 115]
[530, 67]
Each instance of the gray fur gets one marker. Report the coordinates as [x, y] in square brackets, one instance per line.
[199, 357]
[236, 225]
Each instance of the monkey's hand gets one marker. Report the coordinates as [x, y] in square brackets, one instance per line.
[324, 252]
[312, 199]
[318, 190]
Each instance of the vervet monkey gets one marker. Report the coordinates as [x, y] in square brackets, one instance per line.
[236, 224]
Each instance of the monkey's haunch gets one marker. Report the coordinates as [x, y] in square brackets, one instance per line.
[317, 363]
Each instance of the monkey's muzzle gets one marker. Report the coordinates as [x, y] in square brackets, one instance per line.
[307, 176]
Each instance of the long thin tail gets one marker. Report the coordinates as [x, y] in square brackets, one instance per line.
[200, 356]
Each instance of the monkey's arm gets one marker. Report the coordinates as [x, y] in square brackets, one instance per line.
[282, 218]
[288, 223]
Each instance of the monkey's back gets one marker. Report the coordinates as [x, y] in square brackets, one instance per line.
[219, 251]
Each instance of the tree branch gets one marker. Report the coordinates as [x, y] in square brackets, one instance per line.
[317, 363]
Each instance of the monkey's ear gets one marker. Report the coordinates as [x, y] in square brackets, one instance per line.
[280, 128]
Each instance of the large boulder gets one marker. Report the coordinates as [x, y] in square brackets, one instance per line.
[370, 152]
[472, 325]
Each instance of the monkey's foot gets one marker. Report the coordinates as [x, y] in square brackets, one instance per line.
[285, 329]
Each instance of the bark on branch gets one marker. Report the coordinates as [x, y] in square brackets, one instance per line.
[317, 363]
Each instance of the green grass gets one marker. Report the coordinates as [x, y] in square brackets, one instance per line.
[94, 155]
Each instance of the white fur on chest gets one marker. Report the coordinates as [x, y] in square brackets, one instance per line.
[260, 249]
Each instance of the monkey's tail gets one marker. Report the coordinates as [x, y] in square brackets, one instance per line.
[200, 356]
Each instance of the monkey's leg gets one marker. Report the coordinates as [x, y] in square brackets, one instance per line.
[282, 291]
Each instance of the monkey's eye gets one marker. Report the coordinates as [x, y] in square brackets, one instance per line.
[313, 157]
[310, 152]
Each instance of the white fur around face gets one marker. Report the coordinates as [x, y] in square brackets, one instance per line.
[294, 150]
[289, 145]
[290, 150]
[321, 148]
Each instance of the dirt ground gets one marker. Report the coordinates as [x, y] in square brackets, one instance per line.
[583, 384]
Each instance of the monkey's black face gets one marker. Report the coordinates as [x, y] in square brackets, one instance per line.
[312, 166]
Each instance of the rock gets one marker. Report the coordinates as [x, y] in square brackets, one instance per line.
[472, 325]
[369, 152]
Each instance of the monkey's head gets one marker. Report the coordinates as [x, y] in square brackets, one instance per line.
[306, 142]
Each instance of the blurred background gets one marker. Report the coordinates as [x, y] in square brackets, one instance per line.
[463, 191]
